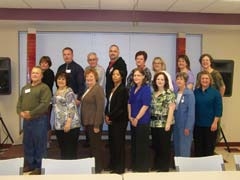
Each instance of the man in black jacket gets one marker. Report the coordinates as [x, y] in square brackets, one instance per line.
[115, 62]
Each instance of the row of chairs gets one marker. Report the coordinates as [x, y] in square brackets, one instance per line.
[50, 166]
[87, 165]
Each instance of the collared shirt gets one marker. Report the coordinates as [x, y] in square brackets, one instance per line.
[139, 99]
[208, 106]
[160, 107]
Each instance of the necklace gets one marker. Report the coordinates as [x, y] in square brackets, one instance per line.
[61, 91]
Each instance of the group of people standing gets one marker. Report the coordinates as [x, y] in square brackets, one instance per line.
[158, 106]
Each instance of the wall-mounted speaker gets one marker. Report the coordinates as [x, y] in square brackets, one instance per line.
[226, 68]
[5, 75]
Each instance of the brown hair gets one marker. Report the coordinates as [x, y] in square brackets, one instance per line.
[46, 59]
[207, 55]
[154, 84]
[68, 48]
[139, 53]
[186, 59]
[183, 75]
[142, 72]
[63, 74]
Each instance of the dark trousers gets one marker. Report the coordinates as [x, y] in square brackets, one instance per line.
[140, 148]
[96, 148]
[161, 143]
[68, 143]
[117, 132]
[204, 141]
[35, 141]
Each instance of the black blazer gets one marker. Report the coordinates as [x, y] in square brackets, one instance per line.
[118, 105]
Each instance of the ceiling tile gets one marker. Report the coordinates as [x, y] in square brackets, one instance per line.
[190, 6]
[45, 4]
[223, 7]
[204, 6]
[154, 5]
[117, 5]
[81, 4]
[13, 4]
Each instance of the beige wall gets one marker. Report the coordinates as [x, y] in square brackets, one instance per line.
[226, 46]
[9, 48]
[220, 41]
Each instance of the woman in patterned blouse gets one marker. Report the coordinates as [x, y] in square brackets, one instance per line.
[162, 108]
[66, 118]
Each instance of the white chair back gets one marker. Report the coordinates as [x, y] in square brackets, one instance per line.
[237, 161]
[11, 166]
[207, 163]
[76, 166]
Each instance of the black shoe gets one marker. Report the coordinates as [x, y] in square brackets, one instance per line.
[116, 172]
[36, 171]
[27, 169]
[108, 169]
[153, 169]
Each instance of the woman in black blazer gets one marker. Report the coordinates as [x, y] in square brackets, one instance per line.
[116, 116]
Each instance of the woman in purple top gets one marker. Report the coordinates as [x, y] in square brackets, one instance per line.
[183, 65]
[139, 117]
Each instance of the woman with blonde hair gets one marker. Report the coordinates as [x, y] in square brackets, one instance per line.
[158, 65]
[208, 111]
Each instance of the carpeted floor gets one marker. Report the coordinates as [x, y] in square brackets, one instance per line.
[54, 153]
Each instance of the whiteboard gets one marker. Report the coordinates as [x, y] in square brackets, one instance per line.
[163, 45]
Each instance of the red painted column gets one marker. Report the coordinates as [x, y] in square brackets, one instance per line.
[180, 45]
[31, 51]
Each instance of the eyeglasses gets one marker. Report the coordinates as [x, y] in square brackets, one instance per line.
[92, 59]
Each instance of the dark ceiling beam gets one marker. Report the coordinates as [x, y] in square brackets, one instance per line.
[118, 15]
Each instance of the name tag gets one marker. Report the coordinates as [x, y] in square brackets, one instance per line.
[27, 91]
[68, 70]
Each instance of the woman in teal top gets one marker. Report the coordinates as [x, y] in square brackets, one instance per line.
[208, 111]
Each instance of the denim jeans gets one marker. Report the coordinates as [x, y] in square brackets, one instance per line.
[35, 141]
